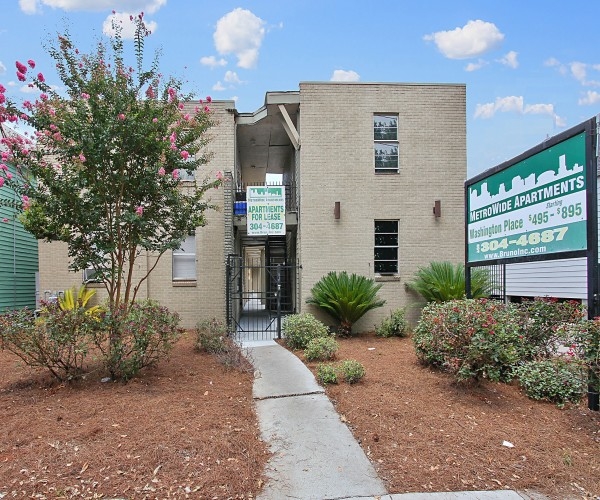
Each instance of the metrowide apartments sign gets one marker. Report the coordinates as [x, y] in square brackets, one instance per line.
[535, 207]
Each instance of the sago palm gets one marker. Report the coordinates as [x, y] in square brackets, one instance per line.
[442, 281]
[345, 297]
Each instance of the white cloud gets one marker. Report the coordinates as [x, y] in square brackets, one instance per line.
[509, 59]
[2, 68]
[128, 26]
[241, 33]
[212, 61]
[340, 75]
[473, 39]
[232, 77]
[591, 97]
[476, 65]
[218, 87]
[137, 6]
[515, 104]
[578, 71]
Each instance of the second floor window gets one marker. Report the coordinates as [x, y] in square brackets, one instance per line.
[385, 137]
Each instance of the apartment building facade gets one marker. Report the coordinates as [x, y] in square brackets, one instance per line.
[368, 178]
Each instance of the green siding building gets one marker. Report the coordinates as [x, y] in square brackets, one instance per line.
[18, 257]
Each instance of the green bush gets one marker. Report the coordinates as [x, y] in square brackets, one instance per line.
[327, 374]
[136, 338]
[585, 338]
[394, 326]
[345, 297]
[558, 380]
[300, 329]
[473, 338]
[211, 336]
[543, 323]
[442, 281]
[352, 371]
[321, 349]
[58, 341]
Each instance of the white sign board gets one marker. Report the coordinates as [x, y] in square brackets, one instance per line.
[266, 210]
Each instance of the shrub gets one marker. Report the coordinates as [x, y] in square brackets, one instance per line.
[352, 371]
[321, 349]
[300, 329]
[585, 337]
[346, 298]
[557, 380]
[137, 338]
[58, 341]
[543, 324]
[211, 336]
[469, 338]
[394, 326]
[442, 281]
[327, 374]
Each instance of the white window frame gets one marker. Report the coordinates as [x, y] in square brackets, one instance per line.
[388, 246]
[385, 146]
[184, 260]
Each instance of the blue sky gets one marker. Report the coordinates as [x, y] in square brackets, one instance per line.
[532, 68]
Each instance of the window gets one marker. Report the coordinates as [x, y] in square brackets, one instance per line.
[385, 135]
[386, 246]
[184, 260]
[184, 175]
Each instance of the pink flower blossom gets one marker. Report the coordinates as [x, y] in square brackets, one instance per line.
[28, 105]
[44, 97]
[21, 68]
[52, 112]
[208, 98]
[31, 63]
[161, 171]
[121, 117]
[2, 99]
[186, 117]
[5, 219]
[150, 94]
[85, 96]
[41, 77]
[219, 175]
[4, 157]
[175, 174]
[154, 120]
[2, 89]
[9, 175]
[139, 210]
[180, 105]
[12, 118]
[3, 167]
[206, 109]
[173, 137]
[20, 76]
[1, 181]
[81, 158]
[185, 155]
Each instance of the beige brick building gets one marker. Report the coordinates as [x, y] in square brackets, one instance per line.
[362, 164]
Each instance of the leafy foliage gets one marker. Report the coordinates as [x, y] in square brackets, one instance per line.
[345, 297]
[558, 380]
[321, 349]
[102, 174]
[394, 326]
[585, 336]
[470, 338]
[327, 374]
[300, 329]
[75, 299]
[442, 281]
[146, 333]
[59, 341]
[211, 335]
[351, 370]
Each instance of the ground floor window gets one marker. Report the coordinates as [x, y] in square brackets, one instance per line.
[386, 247]
[184, 260]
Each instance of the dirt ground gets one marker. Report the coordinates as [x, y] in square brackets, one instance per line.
[186, 429]
[426, 433]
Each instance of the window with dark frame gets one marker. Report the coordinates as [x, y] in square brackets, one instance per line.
[386, 247]
[386, 146]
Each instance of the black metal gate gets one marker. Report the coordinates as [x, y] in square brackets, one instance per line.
[259, 295]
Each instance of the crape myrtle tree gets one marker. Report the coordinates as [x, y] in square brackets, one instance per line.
[101, 170]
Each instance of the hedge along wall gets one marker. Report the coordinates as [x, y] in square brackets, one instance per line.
[18, 257]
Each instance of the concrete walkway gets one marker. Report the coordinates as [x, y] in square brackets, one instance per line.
[315, 455]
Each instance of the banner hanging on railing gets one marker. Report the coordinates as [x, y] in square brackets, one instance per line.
[266, 210]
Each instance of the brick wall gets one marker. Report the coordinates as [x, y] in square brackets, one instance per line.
[337, 164]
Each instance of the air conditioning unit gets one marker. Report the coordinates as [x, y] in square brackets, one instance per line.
[89, 275]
